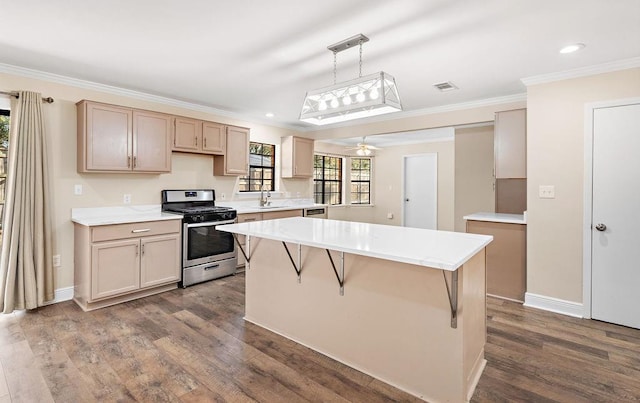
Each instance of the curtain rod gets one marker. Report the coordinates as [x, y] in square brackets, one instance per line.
[48, 100]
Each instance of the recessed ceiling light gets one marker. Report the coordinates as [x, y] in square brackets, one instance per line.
[269, 115]
[572, 48]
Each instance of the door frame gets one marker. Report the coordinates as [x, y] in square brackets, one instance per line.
[403, 192]
[588, 196]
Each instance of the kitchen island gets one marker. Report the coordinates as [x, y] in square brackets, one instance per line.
[404, 305]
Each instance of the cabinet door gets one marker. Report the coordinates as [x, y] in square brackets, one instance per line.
[302, 157]
[151, 142]
[160, 260]
[115, 267]
[511, 144]
[213, 138]
[236, 157]
[187, 134]
[108, 134]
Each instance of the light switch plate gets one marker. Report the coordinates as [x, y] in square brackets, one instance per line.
[126, 199]
[56, 260]
[547, 192]
[77, 190]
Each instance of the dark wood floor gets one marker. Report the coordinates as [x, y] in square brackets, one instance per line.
[192, 345]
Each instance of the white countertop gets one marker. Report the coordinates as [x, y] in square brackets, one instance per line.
[439, 249]
[252, 206]
[497, 217]
[120, 215]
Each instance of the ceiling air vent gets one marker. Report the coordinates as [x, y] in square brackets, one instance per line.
[444, 87]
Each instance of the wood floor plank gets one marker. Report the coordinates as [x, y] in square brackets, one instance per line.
[193, 345]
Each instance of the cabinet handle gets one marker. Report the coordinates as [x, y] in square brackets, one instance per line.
[204, 142]
[143, 250]
[249, 219]
[137, 250]
[137, 231]
[128, 161]
[135, 161]
[196, 141]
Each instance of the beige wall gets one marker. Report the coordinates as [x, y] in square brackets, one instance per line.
[388, 182]
[555, 156]
[473, 173]
[100, 190]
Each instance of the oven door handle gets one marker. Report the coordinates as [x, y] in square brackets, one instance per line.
[210, 223]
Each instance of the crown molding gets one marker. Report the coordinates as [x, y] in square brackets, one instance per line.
[583, 71]
[143, 96]
[428, 111]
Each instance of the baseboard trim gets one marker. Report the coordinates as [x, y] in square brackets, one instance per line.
[551, 304]
[62, 294]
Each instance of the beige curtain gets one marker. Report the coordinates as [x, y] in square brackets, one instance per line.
[26, 266]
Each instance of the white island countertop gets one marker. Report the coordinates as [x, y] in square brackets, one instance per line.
[497, 217]
[439, 249]
[120, 215]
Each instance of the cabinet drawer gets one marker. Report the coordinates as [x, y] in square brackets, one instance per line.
[134, 230]
[272, 215]
[249, 217]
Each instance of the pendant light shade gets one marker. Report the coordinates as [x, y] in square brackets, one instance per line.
[365, 96]
[372, 95]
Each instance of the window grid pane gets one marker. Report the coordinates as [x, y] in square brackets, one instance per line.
[360, 181]
[327, 176]
[261, 168]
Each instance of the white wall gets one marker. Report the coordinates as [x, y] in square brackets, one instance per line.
[100, 190]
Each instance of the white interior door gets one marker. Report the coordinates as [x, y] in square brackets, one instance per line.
[615, 270]
[421, 191]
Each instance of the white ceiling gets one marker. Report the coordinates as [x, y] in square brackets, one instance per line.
[251, 57]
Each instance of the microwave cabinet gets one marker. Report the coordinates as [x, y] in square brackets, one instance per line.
[121, 262]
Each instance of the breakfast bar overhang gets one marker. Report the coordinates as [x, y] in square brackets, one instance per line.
[408, 306]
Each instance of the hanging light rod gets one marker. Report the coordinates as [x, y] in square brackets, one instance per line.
[348, 43]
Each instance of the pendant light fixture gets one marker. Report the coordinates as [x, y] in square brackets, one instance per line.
[365, 96]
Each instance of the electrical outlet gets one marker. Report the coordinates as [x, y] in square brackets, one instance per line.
[56, 260]
[547, 192]
[77, 190]
[126, 199]
[390, 216]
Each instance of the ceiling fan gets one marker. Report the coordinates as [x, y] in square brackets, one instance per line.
[363, 148]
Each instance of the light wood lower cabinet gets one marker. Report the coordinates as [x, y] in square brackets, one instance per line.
[506, 258]
[121, 262]
[271, 215]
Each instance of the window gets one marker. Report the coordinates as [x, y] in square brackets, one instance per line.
[360, 181]
[262, 159]
[4, 146]
[327, 179]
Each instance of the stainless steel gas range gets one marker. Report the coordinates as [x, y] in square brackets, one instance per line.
[206, 252]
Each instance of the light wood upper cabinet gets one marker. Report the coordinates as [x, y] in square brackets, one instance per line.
[296, 157]
[151, 142]
[104, 137]
[118, 139]
[197, 136]
[187, 134]
[213, 138]
[511, 144]
[235, 161]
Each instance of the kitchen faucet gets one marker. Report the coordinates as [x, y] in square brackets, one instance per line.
[264, 200]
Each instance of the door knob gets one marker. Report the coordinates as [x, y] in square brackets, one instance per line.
[601, 227]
